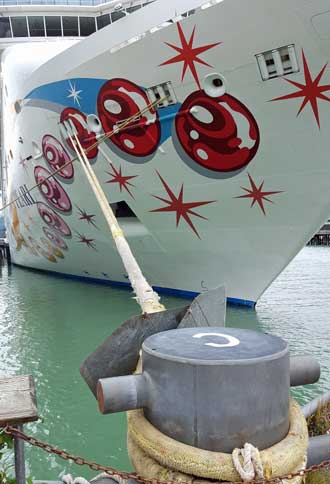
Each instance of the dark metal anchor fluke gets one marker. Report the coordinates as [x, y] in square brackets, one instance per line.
[119, 353]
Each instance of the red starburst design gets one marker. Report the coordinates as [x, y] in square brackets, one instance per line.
[311, 91]
[257, 194]
[189, 54]
[84, 240]
[123, 181]
[182, 209]
[85, 216]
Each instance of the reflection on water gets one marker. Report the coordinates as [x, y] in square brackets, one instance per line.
[49, 325]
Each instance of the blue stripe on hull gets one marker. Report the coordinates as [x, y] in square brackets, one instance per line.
[162, 290]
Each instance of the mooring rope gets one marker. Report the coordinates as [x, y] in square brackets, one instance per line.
[251, 467]
[146, 297]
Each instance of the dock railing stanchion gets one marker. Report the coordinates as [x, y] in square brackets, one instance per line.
[19, 458]
[18, 406]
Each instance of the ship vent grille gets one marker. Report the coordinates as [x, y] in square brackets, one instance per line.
[278, 62]
[161, 91]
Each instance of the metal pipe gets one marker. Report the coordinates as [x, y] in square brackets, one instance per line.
[122, 393]
[19, 458]
[318, 450]
[304, 370]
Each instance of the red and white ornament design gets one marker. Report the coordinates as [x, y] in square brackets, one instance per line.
[119, 100]
[54, 238]
[218, 133]
[51, 190]
[53, 220]
[86, 136]
[55, 251]
[56, 156]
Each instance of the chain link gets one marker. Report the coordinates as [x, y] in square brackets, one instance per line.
[111, 471]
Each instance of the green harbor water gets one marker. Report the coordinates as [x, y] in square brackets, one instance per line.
[48, 325]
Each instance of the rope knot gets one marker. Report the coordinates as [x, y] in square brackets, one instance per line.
[251, 467]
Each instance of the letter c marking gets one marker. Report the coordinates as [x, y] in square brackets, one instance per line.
[232, 341]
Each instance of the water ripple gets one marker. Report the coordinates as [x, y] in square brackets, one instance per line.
[49, 325]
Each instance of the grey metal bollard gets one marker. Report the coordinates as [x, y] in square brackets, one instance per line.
[212, 388]
[130, 392]
[304, 370]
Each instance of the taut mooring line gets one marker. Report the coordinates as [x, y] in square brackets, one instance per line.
[146, 297]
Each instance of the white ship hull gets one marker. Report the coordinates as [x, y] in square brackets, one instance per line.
[227, 182]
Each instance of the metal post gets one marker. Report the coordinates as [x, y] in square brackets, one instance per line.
[19, 458]
[7, 249]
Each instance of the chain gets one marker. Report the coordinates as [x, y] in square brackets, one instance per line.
[111, 471]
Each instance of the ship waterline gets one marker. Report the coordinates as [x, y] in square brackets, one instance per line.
[219, 183]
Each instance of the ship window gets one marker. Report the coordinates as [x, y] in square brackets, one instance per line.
[133, 9]
[278, 62]
[36, 26]
[53, 26]
[117, 15]
[163, 91]
[87, 25]
[19, 26]
[103, 21]
[70, 26]
[187, 14]
[5, 27]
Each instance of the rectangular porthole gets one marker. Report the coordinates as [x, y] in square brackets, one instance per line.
[87, 26]
[5, 27]
[19, 26]
[36, 26]
[70, 26]
[103, 21]
[164, 90]
[278, 62]
[53, 26]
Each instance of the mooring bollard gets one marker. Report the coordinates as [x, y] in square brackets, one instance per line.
[18, 406]
[197, 380]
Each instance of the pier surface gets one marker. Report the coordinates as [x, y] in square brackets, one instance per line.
[17, 400]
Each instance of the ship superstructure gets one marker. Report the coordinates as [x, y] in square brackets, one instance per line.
[223, 177]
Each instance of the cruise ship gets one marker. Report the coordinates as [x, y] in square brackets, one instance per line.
[206, 124]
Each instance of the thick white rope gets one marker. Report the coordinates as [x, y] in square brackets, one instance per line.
[252, 466]
[68, 479]
[146, 297]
